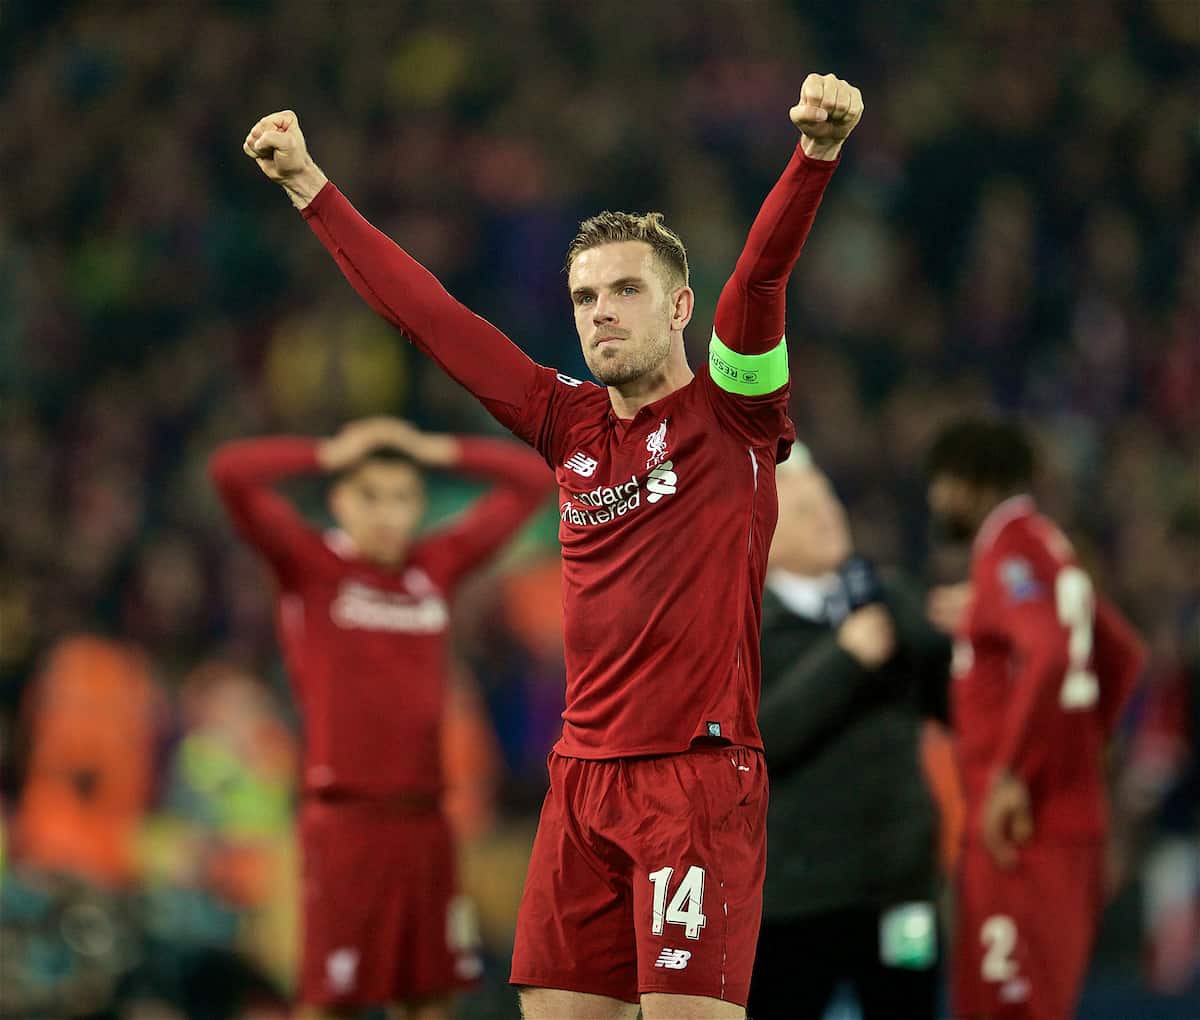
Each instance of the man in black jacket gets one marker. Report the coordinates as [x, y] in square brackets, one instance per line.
[851, 666]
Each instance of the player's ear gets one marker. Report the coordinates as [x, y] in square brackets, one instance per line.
[683, 305]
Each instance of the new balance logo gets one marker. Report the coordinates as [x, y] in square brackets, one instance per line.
[581, 464]
[673, 959]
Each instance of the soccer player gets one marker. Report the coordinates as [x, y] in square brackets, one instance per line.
[363, 616]
[645, 881]
[1042, 668]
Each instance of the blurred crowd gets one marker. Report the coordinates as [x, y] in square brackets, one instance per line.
[1017, 226]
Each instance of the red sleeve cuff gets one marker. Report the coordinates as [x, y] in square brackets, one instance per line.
[824, 165]
[321, 199]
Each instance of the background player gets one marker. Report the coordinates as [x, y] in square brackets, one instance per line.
[646, 875]
[363, 617]
[1042, 668]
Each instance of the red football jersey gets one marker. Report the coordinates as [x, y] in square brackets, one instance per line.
[366, 646]
[1042, 668]
[665, 523]
[665, 519]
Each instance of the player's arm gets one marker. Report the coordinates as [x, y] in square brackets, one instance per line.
[1041, 649]
[1120, 657]
[1042, 644]
[928, 650]
[808, 700]
[748, 351]
[393, 283]
[1059, 631]
[245, 472]
[520, 484]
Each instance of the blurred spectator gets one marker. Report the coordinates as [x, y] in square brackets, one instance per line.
[91, 724]
[220, 901]
[850, 667]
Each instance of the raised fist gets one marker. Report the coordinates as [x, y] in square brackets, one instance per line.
[277, 145]
[828, 110]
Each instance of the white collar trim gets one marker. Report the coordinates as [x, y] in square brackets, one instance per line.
[1002, 515]
[804, 596]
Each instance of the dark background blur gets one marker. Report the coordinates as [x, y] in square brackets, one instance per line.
[1016, 225]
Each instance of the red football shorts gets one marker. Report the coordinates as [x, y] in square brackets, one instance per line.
[1023, 937]
[382, 919]
[646, 876]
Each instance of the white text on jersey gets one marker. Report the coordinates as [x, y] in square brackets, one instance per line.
[359, 605]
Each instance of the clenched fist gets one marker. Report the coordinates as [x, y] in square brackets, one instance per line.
[828, 110]
[277, 145]
[868, 635]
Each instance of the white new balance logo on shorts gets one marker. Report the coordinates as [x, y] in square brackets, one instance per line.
[673, 959]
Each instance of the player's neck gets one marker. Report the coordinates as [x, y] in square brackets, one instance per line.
[673, 374]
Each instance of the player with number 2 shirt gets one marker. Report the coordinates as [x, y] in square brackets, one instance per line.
[645, 883]
[1042, 668]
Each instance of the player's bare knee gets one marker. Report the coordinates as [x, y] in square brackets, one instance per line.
[659, 1006]
[556, 1004]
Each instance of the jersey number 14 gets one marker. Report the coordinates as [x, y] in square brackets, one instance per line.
[686, 906]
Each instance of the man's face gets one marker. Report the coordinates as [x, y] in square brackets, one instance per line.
[954, 506]
[623, 310]
[812, 537]
[380, 505]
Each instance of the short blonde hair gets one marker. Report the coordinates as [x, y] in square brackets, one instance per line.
[612, 227]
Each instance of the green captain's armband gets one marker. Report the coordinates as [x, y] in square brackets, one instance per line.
[750, 375]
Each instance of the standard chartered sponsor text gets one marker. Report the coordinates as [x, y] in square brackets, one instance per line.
[602, 505]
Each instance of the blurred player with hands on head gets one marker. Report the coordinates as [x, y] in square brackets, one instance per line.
[1042, 668]
[645, 882]
[363, 619]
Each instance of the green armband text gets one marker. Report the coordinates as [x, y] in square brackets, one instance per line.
[750, 375]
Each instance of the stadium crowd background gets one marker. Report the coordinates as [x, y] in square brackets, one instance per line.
[1017, 225]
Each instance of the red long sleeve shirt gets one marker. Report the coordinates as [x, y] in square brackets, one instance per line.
[665, 518]
[366, 646]
[1042, 670]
